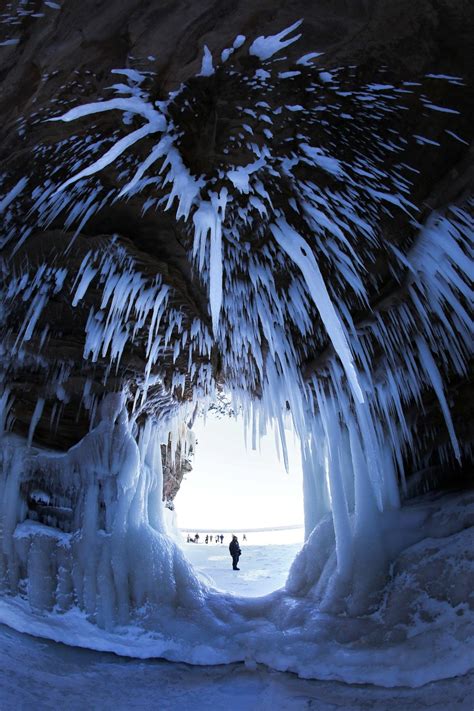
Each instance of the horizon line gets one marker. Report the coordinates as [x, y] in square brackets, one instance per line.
[187, 529]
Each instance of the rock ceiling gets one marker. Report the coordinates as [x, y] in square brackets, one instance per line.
[66, 57]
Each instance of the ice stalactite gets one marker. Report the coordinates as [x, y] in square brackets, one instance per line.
[299, 252]
[208, 219]
[284, 247]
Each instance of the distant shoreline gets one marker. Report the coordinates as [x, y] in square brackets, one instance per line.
[241, 530]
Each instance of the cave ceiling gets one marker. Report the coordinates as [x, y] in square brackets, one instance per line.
[69, 57]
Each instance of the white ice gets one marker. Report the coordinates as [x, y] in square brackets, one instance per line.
[207, 68]
[266, 47]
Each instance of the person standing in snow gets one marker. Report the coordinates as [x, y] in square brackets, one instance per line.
[234, 550]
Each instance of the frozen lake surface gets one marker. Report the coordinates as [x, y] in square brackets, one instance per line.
[264, 564]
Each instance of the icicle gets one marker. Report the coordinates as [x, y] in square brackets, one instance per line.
[5, 405]
[35, 417]
[434, 376]
[297, 249]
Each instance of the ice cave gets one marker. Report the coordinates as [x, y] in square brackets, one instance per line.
[265, 204]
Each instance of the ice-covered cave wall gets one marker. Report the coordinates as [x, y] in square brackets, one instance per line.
[297, 226]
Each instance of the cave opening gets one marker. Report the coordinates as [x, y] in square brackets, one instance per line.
[241, 487]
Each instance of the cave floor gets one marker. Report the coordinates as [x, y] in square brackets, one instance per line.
[39, 674]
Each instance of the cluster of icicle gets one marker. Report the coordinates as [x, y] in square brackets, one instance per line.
[102, 545]
[349, 416]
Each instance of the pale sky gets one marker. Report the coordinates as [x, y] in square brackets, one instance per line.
[232, 487]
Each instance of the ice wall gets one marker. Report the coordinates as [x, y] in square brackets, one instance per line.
[87, 528]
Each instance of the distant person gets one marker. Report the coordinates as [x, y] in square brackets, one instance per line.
[222, 538]
[217, 540]
[244, 537]
[206, 540]
[210, 539]
[196, 538]
[234, 550]
[188, 539]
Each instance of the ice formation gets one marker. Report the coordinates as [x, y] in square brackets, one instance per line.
[86, 529]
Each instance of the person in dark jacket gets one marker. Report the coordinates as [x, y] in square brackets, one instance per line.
[234, 550]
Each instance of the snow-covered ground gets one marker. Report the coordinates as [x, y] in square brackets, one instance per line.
[420, 630]
[42, 675]
[264, 564]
